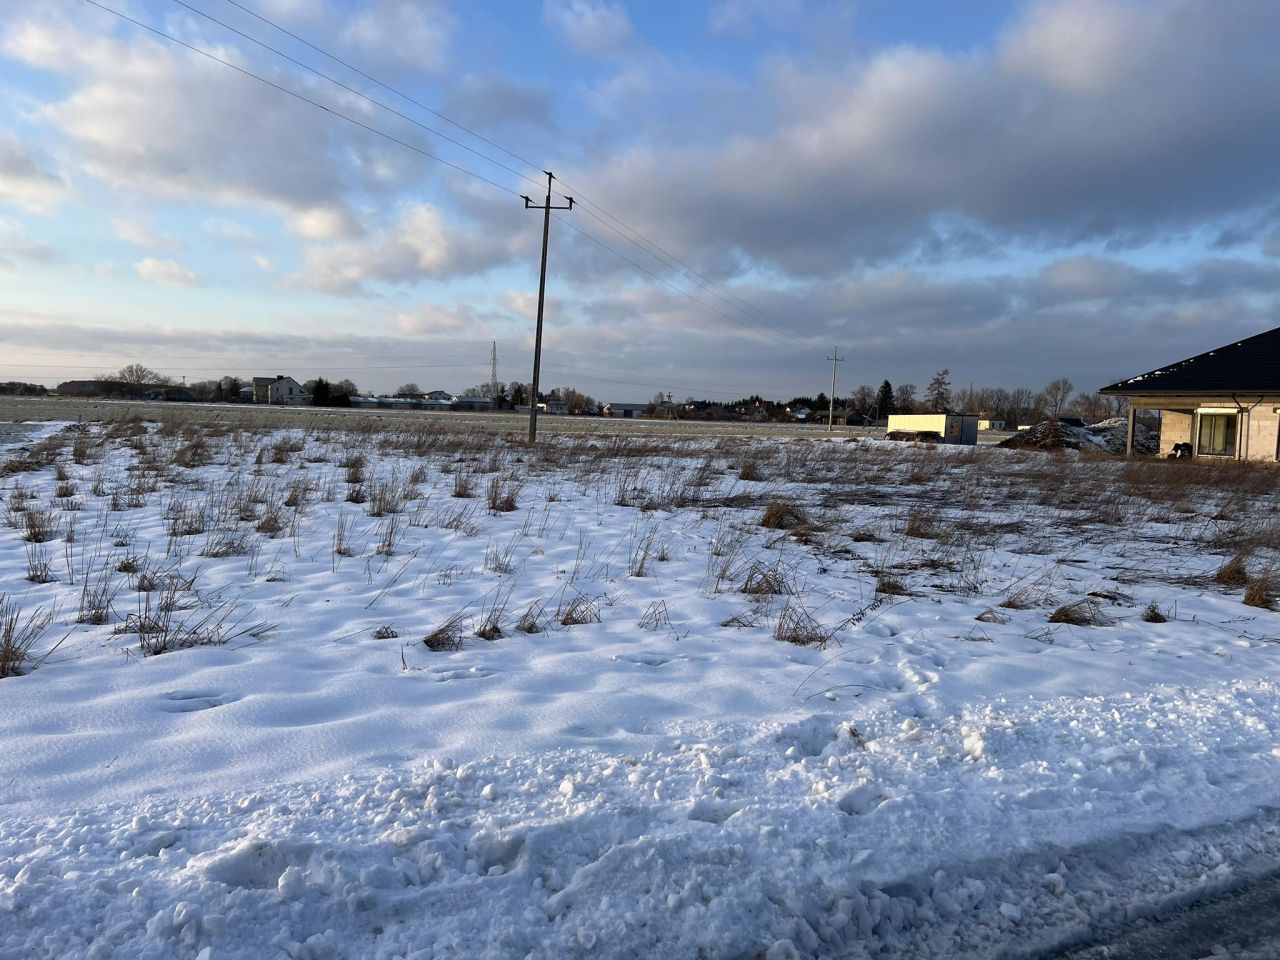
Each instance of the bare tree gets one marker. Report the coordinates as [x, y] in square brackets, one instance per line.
[1056, 395]
[1022, 406]
[863, 399]
[904, 398]
[408, 390]
[136, 373]
[1091, 407]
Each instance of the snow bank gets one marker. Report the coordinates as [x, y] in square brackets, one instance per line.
[849, 835]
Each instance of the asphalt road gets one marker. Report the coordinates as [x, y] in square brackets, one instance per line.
[1244, 925]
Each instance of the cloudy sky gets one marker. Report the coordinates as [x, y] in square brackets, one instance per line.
[1015, 191]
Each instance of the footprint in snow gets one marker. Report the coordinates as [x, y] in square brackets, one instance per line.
[444, 674]
[180, 701]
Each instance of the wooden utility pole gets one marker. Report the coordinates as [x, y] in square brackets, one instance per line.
[546, 208]
[831, 401]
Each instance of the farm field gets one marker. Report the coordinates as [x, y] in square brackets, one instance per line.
[375, 688]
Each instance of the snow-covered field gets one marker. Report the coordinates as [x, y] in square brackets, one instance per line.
[943, 702]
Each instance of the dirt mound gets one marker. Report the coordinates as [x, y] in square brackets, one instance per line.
[1106, 435]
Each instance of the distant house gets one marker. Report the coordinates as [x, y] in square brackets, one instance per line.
[1224, 403]
[627, 411]
[439, 395]
[991, 424]
[553, 406]
[941, 427]
[280, 391]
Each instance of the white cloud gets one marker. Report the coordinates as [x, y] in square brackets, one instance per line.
[263, 263]
[418, 244]
[17, 242]
[741, 16]
[143, 116]
[432, 320]
[25, 178]
[232, 231]
[595, 28]
[406, 33]
[875, 160]
[140, 235]
[170, 273]
[323, 223]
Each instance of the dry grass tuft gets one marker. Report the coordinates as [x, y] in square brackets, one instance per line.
[18, 635]
[502, 495]
[1153, 613]
[447, 636]
[1261, 590]
[1082, 613]
[534, 619]
[795, 625]
[766, 579]
[891, 586]
[580, 610]
[782, 516]
[1233, 573]
[386, 632]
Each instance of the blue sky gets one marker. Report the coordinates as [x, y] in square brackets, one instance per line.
[1014, 191]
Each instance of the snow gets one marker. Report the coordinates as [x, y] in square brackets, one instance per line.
[928, 782]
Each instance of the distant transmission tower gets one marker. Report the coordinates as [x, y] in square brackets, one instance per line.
[493, 370]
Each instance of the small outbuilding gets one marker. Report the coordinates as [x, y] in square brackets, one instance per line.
[939, 427]
[624, 410]
[1223, 404]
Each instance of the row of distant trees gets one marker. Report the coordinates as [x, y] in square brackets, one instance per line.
[1019, 405]
[1016, 406]
[326, 393]
[16, 388]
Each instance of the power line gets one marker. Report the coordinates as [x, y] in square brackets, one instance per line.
[708, 285]
[391, 138]
[668, 283]
[638, 239]
[389, 89]
[631, 235]
[353, 90]
[298, 96]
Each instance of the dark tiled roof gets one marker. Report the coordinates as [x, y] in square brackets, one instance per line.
[1251, 365]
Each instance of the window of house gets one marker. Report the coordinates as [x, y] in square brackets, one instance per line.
[1217, 435]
